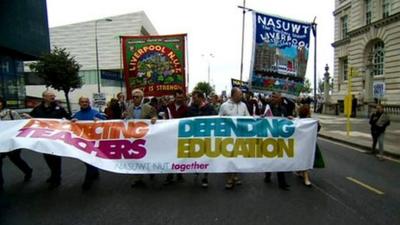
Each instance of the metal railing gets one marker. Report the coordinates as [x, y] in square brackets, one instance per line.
[389, 109]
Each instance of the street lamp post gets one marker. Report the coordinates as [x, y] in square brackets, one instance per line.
[209, 56]
[97, 52]
[326, 89]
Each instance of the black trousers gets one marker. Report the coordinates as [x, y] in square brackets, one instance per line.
[91, 173]
[15, 157]
[281, 178]
[54, 164]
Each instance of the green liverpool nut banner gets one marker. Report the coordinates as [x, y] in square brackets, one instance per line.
[155, 64]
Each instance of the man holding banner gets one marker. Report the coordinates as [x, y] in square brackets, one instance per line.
[139, 110]
[175, 110]
[277, 108]
[87, 113]
[49, 108]
[234, 107]
[200, 107]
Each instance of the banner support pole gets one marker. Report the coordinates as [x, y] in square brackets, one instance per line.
[120, 63]
[314, 25]
[243, 27]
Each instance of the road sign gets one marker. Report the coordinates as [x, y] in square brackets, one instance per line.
[379, 89]
[99, 99]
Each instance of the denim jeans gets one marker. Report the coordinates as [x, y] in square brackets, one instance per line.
[378, 139]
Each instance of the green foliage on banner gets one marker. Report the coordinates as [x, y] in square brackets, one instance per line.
[155, 64]
[59, 71]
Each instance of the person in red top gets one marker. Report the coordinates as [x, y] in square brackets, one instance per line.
[174, 110]
[177, 108]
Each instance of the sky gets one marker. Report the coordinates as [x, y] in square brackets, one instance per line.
[213, 27]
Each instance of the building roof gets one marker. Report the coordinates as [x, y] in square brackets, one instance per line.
[79, 38]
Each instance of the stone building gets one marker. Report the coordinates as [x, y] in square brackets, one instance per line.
[367, 39]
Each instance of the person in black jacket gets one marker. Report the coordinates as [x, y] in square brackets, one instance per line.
[379, 120]
[200, 107]
[278, 109]
[50, 109]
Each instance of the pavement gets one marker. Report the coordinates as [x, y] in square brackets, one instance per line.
[334, 128]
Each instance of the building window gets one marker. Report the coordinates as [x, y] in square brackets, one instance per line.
[344, 24]
[368, 11]
[5, 67]
[378, 56]
[88, 76]
[344, 66]
[385, 8]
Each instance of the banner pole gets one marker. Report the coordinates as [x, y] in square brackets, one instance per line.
[243, 25]
[120, 63]
[315, 63]
[186, 63]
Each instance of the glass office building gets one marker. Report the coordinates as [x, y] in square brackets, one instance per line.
[24, 37]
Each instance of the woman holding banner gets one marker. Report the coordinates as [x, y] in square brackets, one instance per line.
[305, 112]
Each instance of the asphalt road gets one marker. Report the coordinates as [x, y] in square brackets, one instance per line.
[339, 196]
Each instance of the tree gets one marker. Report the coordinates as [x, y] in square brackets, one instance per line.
[204, 87]
[307, 86]
[59, 71]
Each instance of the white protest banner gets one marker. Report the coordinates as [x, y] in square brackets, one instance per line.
[199, 144]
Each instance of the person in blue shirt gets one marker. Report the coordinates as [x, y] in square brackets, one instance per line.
[87, 113]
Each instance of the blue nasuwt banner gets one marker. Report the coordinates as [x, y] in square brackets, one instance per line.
[280, 53]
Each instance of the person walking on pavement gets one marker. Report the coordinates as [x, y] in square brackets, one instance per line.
[87, 113]
[14, 156]
[277, 108]
[139, 110]
[50, 109]
[200, 107]
[379, 120]
[234, 107]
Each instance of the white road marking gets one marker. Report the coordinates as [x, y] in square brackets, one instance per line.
[366, 186]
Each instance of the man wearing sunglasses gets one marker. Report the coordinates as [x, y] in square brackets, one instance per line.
[139, 110]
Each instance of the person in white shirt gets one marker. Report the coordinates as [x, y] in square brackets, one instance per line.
[233, 107]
